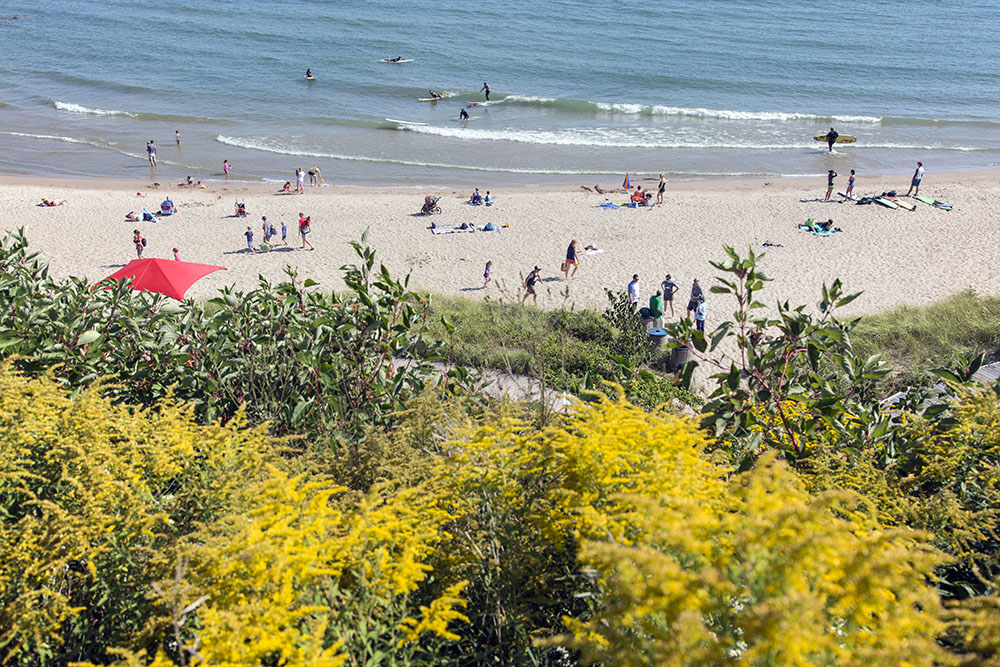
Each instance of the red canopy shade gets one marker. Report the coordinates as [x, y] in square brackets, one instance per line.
[166, 276]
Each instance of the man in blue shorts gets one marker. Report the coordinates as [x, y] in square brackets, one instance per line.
[915, 183]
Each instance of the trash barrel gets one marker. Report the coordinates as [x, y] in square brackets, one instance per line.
[657, 337]
[679, 356]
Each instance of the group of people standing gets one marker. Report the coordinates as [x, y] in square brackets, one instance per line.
[664, 297]
[270, 231]
[918, 176]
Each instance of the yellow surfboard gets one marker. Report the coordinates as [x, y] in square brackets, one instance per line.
[842, 139]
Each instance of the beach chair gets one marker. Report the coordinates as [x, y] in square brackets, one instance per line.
[167, 207]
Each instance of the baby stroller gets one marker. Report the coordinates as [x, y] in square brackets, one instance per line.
[241, 210]
[430, 205]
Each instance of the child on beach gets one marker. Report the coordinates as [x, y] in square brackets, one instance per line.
[850, 187]
[699, 315]
[226, 167]
[661, 189]
[177, 254]
[284, 233]
[486, 273]
[177, 136]
[139, 242]
[249, 234]
[830, 175]
[300, 178]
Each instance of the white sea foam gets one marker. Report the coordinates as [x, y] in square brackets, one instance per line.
[79, 108]
[270, 146]
[726, 114]
[54, 137]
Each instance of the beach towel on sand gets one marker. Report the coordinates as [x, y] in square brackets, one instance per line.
[609, 205]
[451, 230]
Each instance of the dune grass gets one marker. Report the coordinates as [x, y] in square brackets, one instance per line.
[915, 339]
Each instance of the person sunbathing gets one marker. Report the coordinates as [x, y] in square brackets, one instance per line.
[640, 197]
[52, 202]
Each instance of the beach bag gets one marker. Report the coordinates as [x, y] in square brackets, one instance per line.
[564, 268]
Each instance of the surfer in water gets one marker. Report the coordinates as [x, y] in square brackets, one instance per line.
[436, 95]
[463, 115]
[831, 138]
[309, 73]
[486, 89]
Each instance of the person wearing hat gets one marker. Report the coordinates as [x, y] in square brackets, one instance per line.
[529, 285]
[669, 289]
[915, 183]
[656, 308]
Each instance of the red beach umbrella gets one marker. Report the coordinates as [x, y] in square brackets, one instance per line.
[165, 276]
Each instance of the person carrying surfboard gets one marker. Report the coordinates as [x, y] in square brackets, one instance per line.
[831, 138]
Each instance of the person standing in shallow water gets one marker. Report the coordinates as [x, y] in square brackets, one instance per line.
[831, 139]
[151, 152]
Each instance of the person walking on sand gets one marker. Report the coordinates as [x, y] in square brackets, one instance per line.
[529, 286]
[661, 189]
[139, 241]
[699, 315]
[831, 138]
[249, 234]
[300, 179]
[696, 295]
[850, 186]
[486, 273]
[177, 254]
[151, 152]
[265, 229]
[633, 291]
[830, 175]
[305, 226]
[571, 260]
[669, 289]
[486, 89]
[915, 183]
[284, 233]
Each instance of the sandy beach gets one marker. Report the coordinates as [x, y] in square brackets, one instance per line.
[894, 256]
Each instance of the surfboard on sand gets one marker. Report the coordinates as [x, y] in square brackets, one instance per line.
[888, 203]
[842, 139]
[934, 202]
[404, 122]
[390, 60]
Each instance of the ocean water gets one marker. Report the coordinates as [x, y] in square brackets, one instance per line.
[582, 91]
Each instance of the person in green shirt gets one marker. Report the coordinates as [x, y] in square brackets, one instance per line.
[656, 308]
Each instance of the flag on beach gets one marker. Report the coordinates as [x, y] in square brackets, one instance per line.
[626, 183]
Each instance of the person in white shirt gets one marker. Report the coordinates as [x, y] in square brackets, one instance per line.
[699, 315]
[633, 291]
[915, 183]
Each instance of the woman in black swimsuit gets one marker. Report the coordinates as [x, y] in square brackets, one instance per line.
[659, 192]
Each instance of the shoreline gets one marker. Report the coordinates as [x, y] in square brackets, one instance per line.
[701, 184]
[895, 257]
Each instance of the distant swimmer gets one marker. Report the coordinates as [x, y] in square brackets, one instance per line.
[831, 138]
[486, 89]
[463, 115]
[13, 18]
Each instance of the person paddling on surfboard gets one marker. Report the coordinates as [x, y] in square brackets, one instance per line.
[309, 73]
[436, 95]
[486, 89]
[831, 138]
